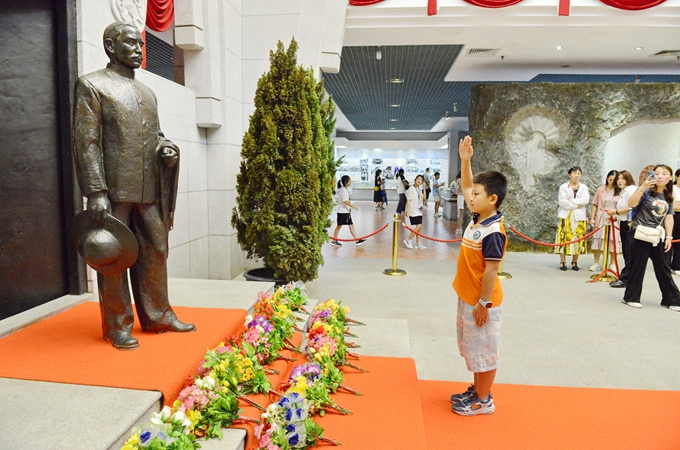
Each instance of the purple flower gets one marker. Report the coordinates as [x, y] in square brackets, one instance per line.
[144, 437]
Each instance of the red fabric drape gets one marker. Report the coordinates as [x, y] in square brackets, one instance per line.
[632, 5]
[431, 7]
[493, 3]
[144, 49]
[363, 2]
[160, 14]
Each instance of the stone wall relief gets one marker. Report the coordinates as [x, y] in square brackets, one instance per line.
[130, 11]
[533, 136]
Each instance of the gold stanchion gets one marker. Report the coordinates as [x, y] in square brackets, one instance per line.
[604, 275]
[503, 275]
[394, 272]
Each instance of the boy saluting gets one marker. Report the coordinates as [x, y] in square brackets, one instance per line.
[477, 285]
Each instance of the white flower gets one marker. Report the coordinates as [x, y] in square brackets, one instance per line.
[209, 382]
[248, 319]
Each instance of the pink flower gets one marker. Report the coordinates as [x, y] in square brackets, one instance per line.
[252, 336]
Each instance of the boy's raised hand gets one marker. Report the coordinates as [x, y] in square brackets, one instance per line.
[465, 148]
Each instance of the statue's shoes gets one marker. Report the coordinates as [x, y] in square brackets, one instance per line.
[176, 326]
[123, 342]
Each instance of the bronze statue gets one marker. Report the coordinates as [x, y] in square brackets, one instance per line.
[126, 167]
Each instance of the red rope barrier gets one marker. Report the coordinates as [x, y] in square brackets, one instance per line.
[447, 241]
[552, 245]
[362, 237]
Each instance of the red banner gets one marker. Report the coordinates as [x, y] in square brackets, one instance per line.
[363, 2]
[160, 14]
[632, 5]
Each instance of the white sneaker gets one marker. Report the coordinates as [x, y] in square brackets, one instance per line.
[637, 305]
[674, 308]
[595, 268]
[676, 272]
[408, 244]
[421, 246]
[437, 215]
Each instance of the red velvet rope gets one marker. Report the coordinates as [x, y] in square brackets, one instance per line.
[493, 3]
[160, 14]
[362, 237]
[553, 245]
[363, 2]
[632, 5]
[447, 241]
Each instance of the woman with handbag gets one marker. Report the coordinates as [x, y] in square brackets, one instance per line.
[377, 195]
[627, 185]
[605, 199]
[652, 226]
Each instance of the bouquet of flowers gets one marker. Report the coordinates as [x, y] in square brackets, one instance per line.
[166, 431]
[262, 339]
[295, 296]
[328, 341]
[208, 407]
[306, 380]
[333, 312]
[288, 425]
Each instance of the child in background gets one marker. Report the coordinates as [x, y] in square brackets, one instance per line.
[344, 213]
[477, 285]
[460, 203]
[435, 193]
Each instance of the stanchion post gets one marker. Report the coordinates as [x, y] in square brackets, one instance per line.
[604, 275]
[394, 271]
[503, 275]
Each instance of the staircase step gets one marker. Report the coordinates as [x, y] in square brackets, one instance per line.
[382, 337]
[55, 416]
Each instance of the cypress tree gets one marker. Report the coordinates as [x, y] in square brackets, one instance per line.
[284, 187]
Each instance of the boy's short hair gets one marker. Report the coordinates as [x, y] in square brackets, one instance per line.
[436, 173]
[494, 183]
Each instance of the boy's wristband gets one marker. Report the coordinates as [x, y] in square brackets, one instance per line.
[484, 303]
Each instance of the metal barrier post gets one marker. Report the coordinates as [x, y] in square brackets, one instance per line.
[604, 275]
[503, 275]
[394, 272]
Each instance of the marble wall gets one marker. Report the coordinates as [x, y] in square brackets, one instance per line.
[534, 132]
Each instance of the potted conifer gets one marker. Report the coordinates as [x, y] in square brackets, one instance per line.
[284, 187]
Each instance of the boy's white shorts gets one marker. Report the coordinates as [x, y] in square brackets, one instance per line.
[479, 346]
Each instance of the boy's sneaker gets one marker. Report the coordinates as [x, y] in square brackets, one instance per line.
[336, 244]
[437, 215]
[456, 398]
[674, 308]
[361, 241]
[473, 406]
[421, 246]
[408, 244]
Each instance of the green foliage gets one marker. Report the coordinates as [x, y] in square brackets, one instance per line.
[284, 187]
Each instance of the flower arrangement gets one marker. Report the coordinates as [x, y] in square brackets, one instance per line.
[307, 381]
[262, 339]
[166, 431]
[295, 296]
[289, 425]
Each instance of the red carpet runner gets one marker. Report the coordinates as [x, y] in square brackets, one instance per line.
[554, 418]
[69, 348]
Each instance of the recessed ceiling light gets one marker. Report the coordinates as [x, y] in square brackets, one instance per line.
[639, 48]
[392, 128]
[397, 80]
[558, 47]
[395, 106]
[565, 66]
[393, 120]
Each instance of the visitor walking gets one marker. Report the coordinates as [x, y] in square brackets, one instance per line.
[460, 203]
[414, 209]
[344, 212]
[435, 193]
[627, 185]
[675, 261]
[377, 195]
[402, 184]
[572, 199]
[652, 219]
[605, 198]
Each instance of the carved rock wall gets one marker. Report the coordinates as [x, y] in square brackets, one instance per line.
[534, 132]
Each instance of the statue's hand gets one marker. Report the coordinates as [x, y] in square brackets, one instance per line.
[98, 206]
[169, 156]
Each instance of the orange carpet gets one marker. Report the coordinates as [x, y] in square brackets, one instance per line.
[388, 416]
[69, 348]
[554, 418]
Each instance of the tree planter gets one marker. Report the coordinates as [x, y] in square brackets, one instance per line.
[263, 274]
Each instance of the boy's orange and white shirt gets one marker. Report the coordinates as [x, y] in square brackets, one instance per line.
[484, 241]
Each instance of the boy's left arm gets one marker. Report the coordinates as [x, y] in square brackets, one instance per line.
[480, 313]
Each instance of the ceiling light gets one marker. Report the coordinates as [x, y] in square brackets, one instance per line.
[446, 115]
[639, 48]
[395, 106]
[558, 48]
[393, 120]
[397, 80]
[565, 66]
[392, 128]
[455, 107]
[378, 54]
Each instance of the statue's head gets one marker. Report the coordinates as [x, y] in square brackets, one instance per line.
[123, 44]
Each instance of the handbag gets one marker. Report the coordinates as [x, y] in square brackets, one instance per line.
[376, 188]
[649, 234]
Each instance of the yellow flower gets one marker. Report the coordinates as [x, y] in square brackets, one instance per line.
[317, 325]
[345, 309]
[194, 416]
[131, 443]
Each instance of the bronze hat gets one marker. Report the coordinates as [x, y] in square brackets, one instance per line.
[109, 249]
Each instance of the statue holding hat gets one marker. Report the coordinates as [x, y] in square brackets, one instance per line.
[128, 170]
